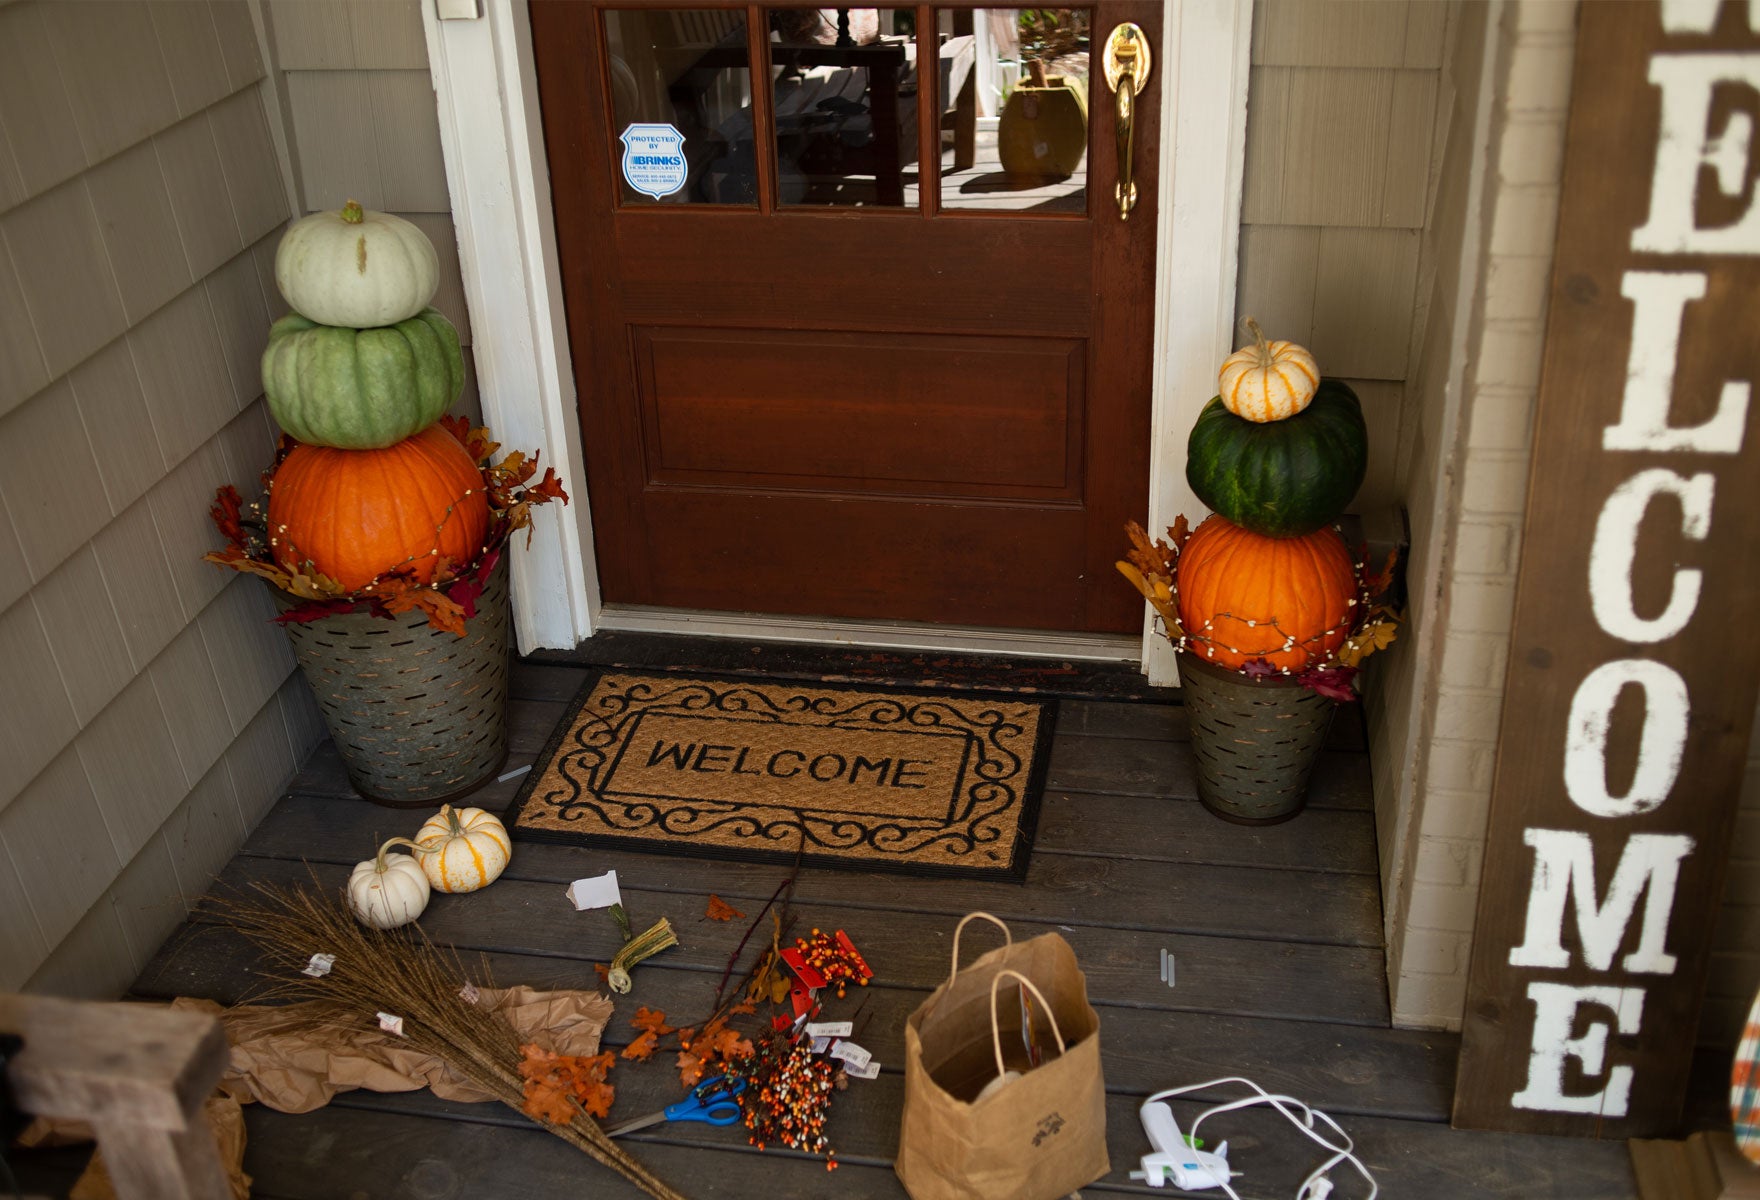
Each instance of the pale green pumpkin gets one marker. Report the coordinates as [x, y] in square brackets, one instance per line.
[361, 389]
[356, 268]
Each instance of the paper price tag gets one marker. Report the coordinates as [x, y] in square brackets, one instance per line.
[852, 1054]
[821, 1044]
[469, 993]
[390, 1024]
[598, 892]
[830, 1029]
[869, 1070]
[320, 965]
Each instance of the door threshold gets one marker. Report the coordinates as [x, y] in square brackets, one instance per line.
[1026, 643]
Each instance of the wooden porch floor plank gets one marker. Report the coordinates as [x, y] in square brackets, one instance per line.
[1366, 1068]
[414, 1145]
[1329, 909]
[1123, 965]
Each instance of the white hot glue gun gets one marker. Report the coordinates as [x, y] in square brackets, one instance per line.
[1174, 1161]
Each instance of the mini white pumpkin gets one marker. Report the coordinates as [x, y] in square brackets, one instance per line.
[1268, 381]
[463, 849]
[388, 890]
[356, 268]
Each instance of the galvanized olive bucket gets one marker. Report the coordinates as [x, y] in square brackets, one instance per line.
[419, 715]
[1255, 740]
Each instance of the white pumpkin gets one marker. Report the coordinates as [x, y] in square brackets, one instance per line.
[1268, 381]
[388, 890]
[355, 268]
[463, 849]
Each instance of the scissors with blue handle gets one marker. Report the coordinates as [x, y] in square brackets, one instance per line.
[713, 1101]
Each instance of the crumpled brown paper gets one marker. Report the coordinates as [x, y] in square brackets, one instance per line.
[298, 1070]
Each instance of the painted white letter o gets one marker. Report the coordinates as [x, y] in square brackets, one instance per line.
[1660, 745]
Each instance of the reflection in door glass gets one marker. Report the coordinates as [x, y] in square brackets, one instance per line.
[1014, 107]
[844, 84]
[679, 79]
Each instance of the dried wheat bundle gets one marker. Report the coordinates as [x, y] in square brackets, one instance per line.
[402, 973]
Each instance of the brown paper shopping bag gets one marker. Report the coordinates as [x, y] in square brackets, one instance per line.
[1037, 1137]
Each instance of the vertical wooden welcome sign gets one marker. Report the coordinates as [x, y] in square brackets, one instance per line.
[1636, 643]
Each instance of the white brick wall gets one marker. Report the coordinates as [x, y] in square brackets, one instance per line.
[1476, 586]
[148, 718]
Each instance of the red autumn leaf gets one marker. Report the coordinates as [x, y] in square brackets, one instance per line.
[458, 427]
[603, 970]
[643, 1047]
[464, 593]
[651, 1019]
[315, 611]
[549, 487]
[1332, 682]
[721, 910]
[1257, 668]
[225, 511]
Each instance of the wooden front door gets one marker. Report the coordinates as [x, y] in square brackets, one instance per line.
[833, 356]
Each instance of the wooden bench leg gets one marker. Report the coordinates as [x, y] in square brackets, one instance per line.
[173, 1164]
[138, 1074]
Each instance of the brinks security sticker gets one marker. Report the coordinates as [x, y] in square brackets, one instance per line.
[653, 159]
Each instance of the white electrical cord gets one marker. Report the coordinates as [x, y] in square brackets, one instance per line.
[1316, 1186]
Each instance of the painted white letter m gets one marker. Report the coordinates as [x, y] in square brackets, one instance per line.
[1564, 860]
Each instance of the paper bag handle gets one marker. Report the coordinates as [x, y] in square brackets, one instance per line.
[1008, 938]
[996, 1027]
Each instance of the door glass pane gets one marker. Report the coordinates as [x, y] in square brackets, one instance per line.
[681, 86]
[844, 84]
[1015, 109]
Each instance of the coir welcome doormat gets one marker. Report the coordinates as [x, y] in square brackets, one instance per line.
[930, 782]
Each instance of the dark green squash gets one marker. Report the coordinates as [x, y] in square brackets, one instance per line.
[1281, 478]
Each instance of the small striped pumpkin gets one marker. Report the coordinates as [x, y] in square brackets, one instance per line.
[463, 849]
[1267, 381]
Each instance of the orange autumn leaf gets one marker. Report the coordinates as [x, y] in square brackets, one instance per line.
[745, 1006]
[651, 1019]
[603, 970]
[685, 1035]
[643, 1047]
[728, 1045]
[548, 1102]
[690, 1068]
[721, 910]
[556, 1083]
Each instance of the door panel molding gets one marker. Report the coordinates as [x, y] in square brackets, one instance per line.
[497, 176]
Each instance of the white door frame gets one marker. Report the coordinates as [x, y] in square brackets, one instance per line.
[485, 86]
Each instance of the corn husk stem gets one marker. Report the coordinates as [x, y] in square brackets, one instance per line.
[644, 945]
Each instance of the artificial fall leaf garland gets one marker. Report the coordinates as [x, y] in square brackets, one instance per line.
[1152, 566]
[451, 596]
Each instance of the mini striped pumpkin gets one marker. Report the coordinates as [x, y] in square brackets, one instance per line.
[1268, 381]
[463, 849]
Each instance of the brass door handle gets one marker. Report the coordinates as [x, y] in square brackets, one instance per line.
[1126, 62]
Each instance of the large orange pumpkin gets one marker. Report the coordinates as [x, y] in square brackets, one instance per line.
[357, 514]
[1244, 596]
